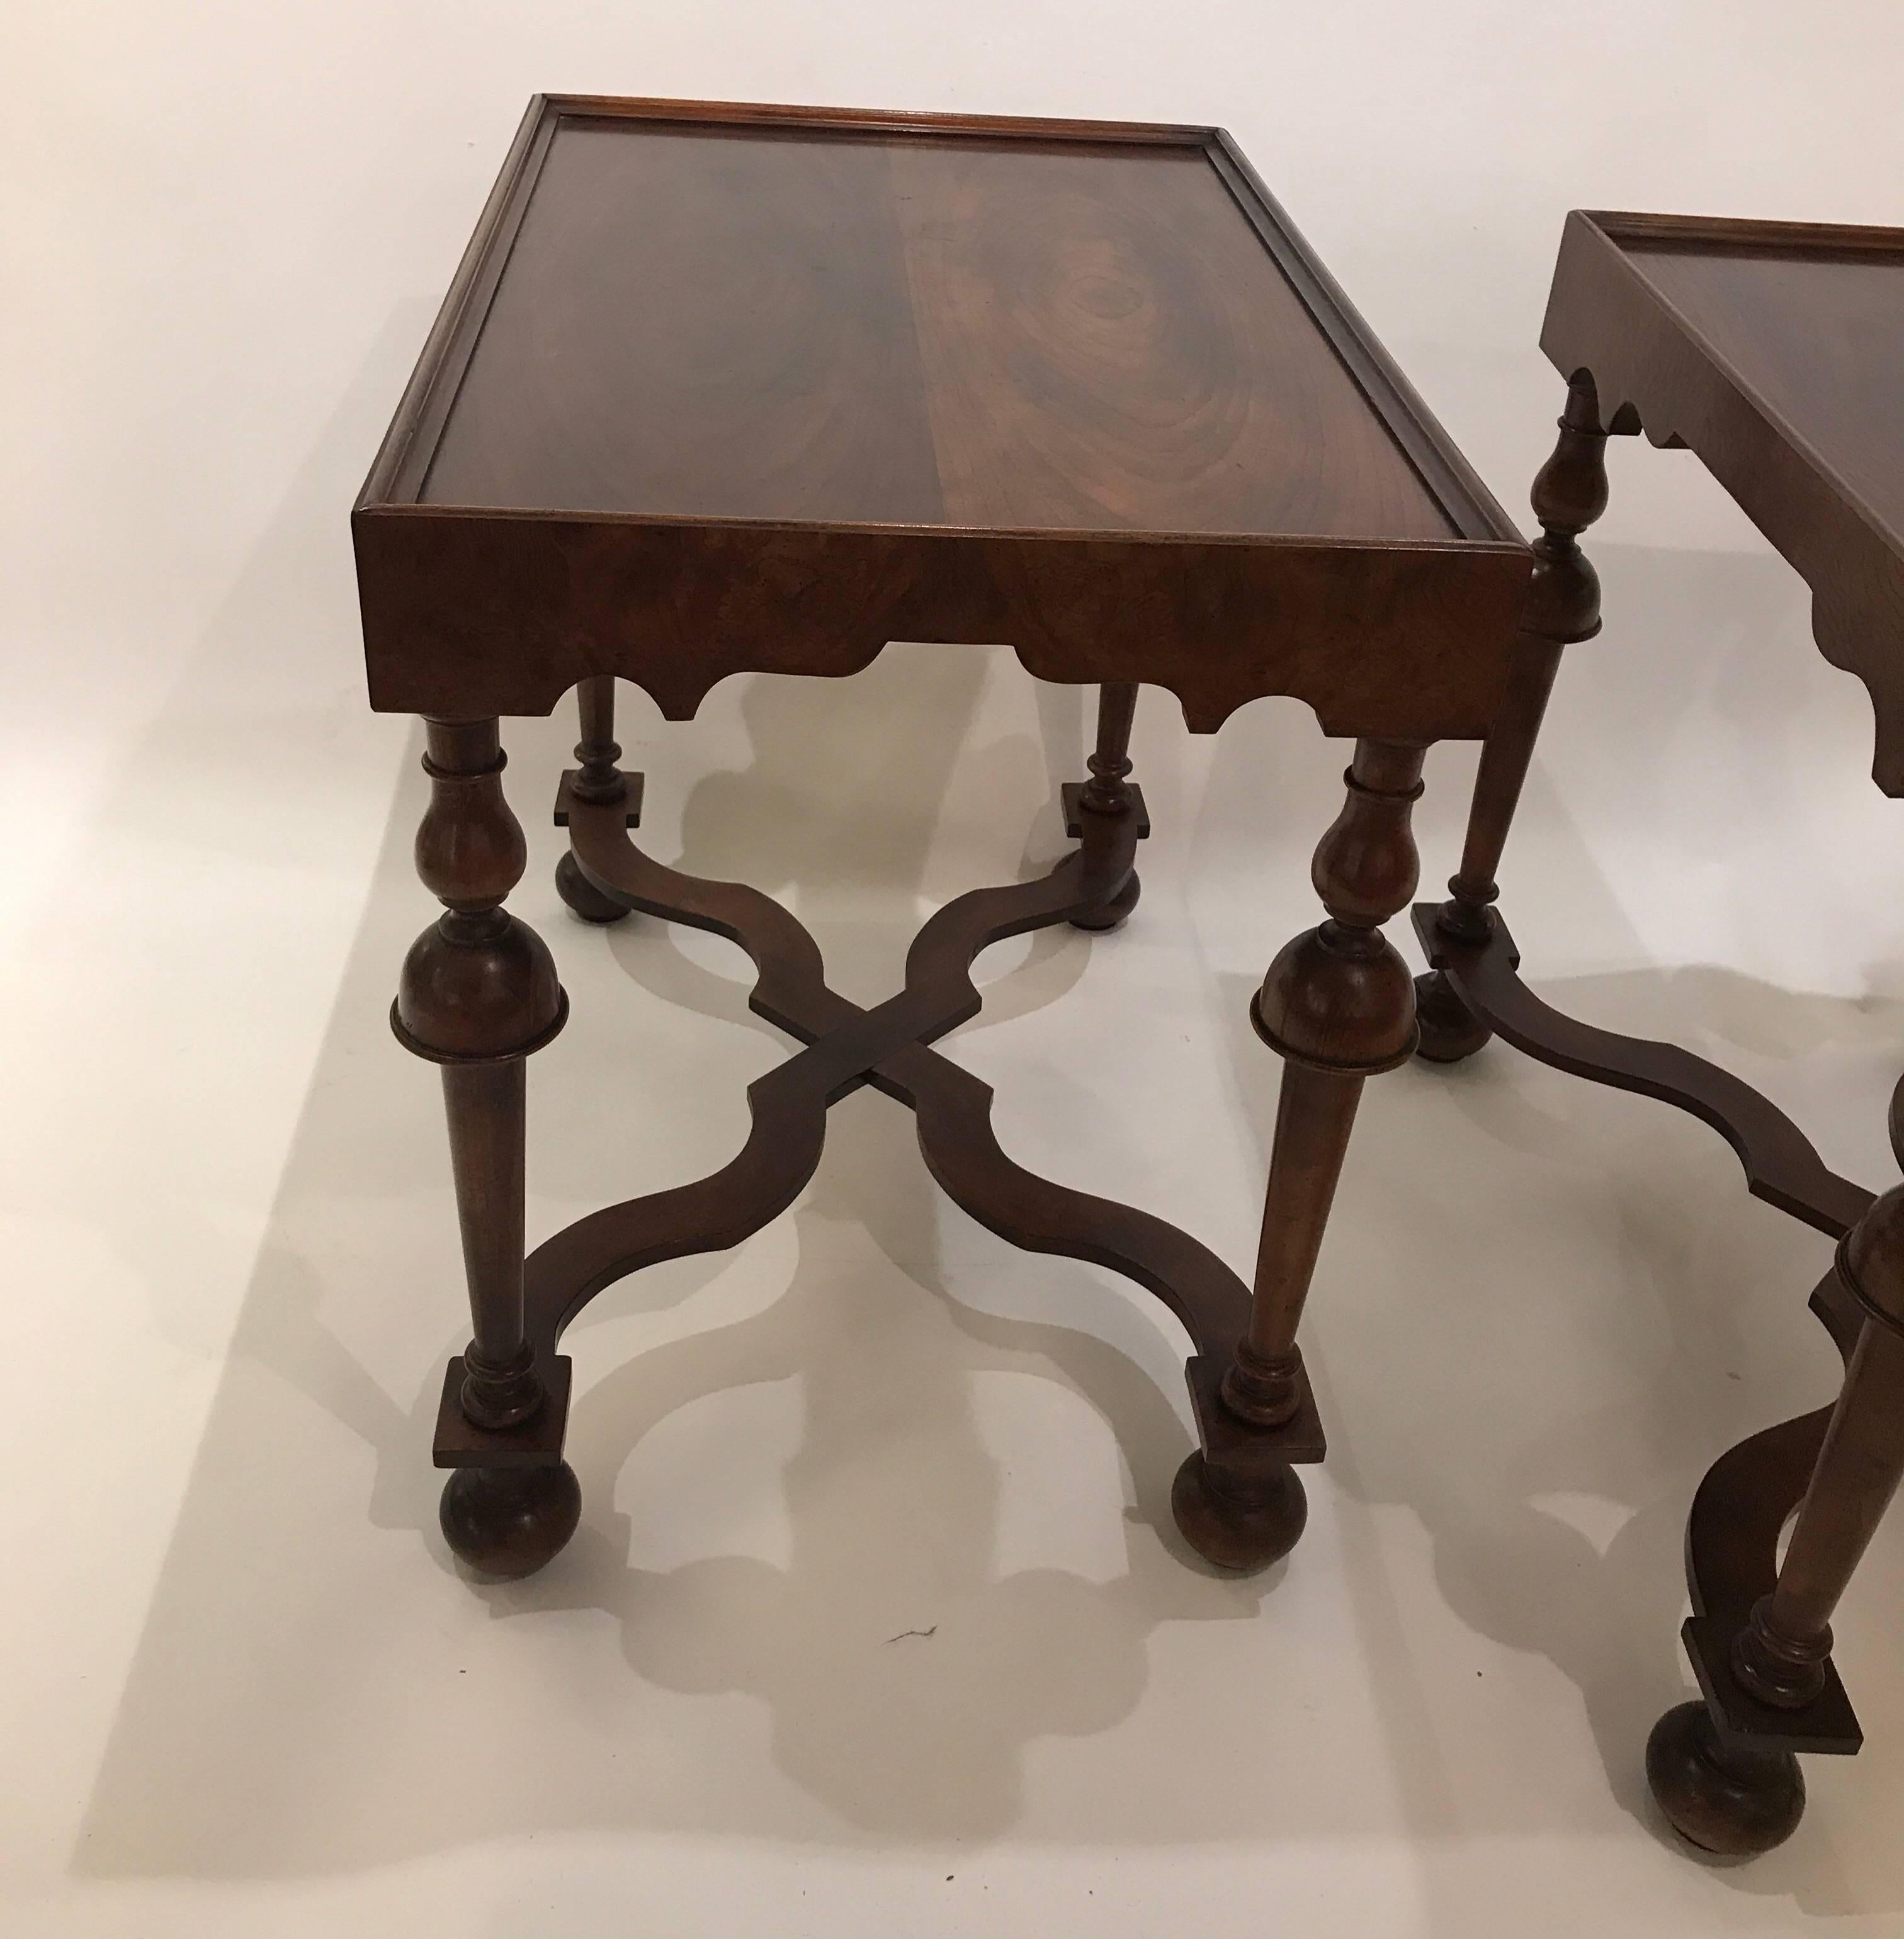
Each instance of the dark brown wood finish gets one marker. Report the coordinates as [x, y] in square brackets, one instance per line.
[1337, 1007]
[722, 388]
[1781, 1166]
[1782, 1654]
[599, 780]
[1093, 817]
[849, 1046]
[1562, 609]
[478, 992]
[1772, 350]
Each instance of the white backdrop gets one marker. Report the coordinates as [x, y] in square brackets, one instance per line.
[249, 1694]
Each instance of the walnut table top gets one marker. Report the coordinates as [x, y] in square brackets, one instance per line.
[719, 388]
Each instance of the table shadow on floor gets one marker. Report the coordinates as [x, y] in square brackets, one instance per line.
[1534, 1328]
[290, 1706]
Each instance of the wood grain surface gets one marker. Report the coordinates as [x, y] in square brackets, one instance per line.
[1818, 336]
[981, 332]
[699, 324]
[721, 388]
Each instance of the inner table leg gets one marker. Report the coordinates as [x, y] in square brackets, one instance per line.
[478, 994]
[1737, 1797]
[1106, 797]
[1562, 607]
[599, 781]
[1339, 1006]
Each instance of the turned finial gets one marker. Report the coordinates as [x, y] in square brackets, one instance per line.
[477, 984]
[1562, 608]
[1569, 492]
[1341, 996]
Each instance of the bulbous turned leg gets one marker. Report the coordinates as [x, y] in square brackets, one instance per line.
[598, 779]
[1338, 1007]
[479, 994]
[1730, 1802]
[1106, 796]
[1450, 1031]
[507, 1522]
[1243, 1529]
[1562, 609]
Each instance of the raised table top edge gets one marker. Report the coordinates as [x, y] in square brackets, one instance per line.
[1731, 236]
[1470, 508]
[1739, 234]
[397, 475]
[475, 610]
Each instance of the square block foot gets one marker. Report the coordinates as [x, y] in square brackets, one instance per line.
[1071, 795]
[630, 805]
[1235, 1450]
[460, 1443]
[1826, 1726]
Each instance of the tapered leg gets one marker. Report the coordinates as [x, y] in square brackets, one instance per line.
[486, 1104]
[1339, 1006]
[1108, 795]
[1563, 608]
[1716, 1797]
[478, 994]
[598, 779]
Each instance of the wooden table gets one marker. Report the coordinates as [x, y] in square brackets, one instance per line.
[723, 389]
[1775, 352]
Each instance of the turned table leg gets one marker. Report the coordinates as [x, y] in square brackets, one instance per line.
[478, 994]
[1338, 1007]
[1563, 608]
[1735, 1798]
[1108, 795]
[597, 779]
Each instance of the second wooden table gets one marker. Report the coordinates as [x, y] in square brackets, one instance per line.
[1770, 349]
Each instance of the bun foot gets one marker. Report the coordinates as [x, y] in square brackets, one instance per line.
[1733, 1803]
[507, 1522]
[1113, 915]
[1244, 1533]
[1450, 1031]
[583, 897]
